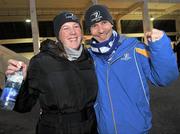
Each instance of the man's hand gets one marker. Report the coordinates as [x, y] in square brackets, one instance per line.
[154, 35]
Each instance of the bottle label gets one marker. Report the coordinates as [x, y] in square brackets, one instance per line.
[16, 77]
[9, 94]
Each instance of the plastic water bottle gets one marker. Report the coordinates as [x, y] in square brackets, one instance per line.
[11, 90]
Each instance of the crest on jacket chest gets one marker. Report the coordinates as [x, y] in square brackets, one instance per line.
[126, 56]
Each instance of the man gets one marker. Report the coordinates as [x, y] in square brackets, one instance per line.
[123, 67]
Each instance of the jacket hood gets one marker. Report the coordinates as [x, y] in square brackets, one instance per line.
[52, 47]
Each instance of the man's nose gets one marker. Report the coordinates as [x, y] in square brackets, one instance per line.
[100, 29]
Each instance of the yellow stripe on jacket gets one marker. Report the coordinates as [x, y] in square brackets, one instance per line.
[142, 52]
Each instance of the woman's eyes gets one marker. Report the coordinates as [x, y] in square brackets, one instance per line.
[67, 28]
[76, 26]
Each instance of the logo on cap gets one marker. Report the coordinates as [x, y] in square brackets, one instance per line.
[96, 16]
[70, 16]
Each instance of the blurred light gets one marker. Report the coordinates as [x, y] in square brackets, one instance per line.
[152, 19]
[28, 20]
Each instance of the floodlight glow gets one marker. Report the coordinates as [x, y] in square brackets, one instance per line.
[28, 20]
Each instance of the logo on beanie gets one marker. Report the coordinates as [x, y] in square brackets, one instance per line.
[96, 16]
[70, 16]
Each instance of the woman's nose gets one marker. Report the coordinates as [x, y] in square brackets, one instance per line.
[72, 31]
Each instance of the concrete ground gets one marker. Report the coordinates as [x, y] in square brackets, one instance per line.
[165, 104]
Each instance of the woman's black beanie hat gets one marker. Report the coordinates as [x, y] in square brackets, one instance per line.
[62, 18]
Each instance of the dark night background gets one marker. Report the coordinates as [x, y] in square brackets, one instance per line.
[13, 30]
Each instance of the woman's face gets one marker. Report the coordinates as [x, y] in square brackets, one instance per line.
[70, 35]
[102, 30]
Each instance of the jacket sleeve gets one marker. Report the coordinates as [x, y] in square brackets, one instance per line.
[29, 92]
[161, 66]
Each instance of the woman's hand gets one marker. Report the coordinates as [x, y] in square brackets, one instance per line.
[15, 65]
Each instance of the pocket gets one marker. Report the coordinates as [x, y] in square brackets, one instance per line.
[46, 127]
[144, 114]
[48, 121]
[89, 126]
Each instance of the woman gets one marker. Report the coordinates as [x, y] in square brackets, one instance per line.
[62, 77]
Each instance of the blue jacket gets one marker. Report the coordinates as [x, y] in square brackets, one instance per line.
[122, 105]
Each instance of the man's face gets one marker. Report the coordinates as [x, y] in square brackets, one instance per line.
[70, 35]
[102, 30]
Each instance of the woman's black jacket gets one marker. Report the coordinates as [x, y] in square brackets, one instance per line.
[60, 85]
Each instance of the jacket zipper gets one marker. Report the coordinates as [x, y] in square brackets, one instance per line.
[110, 99]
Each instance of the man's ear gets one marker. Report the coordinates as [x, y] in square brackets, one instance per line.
[112, 25]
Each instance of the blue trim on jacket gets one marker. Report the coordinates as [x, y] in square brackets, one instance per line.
[122, 105]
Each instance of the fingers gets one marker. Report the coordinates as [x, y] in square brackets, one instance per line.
[14, 65]
[11, 69]
[148, 36]
[154, 35]
[9, 72]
